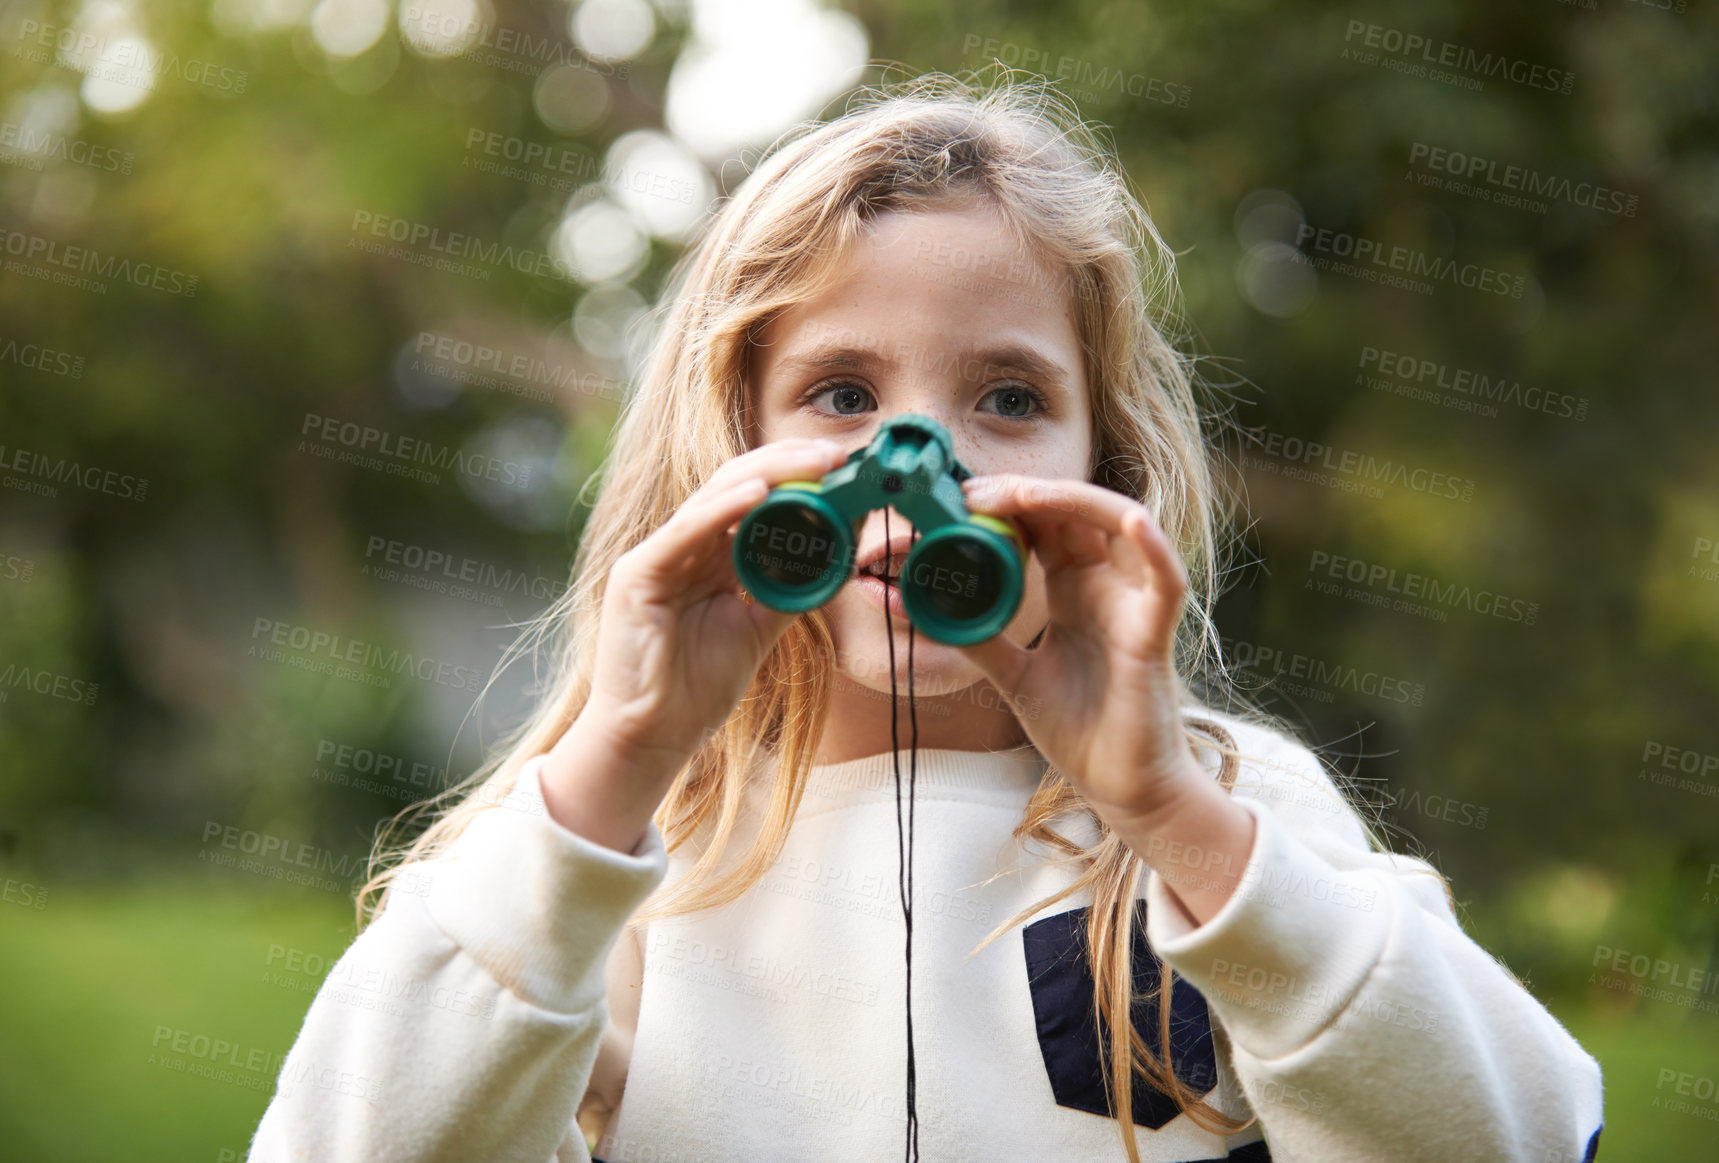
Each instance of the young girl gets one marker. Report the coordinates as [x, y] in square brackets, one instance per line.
[1098, 919]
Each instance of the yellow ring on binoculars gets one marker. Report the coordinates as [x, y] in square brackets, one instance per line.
[1007, 528]
[803, 486]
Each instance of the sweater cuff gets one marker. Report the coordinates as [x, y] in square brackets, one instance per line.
[1289, 949]
[537, 905]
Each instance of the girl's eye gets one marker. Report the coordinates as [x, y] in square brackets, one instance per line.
[849, 398]
[1018, 401]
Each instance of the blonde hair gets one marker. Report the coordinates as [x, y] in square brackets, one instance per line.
[931, 141]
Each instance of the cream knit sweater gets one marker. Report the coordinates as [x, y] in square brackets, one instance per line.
[1334, 996]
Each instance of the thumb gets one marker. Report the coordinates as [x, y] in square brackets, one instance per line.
[767, 623]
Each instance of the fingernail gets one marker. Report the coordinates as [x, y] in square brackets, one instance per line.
[829, 446]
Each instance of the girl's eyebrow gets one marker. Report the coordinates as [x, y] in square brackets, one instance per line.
[1002, 357]
[833, 356]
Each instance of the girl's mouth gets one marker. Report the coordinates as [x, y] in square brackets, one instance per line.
[887, 594]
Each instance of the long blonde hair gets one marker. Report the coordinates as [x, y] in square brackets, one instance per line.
[929, 141]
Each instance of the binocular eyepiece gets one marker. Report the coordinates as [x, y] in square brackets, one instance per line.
[963, 579]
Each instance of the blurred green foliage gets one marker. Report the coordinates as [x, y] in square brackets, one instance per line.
[1518, 768]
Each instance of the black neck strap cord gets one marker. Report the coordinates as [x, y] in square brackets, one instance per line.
[905, 879]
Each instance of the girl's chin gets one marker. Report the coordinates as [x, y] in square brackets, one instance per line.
[937, 669]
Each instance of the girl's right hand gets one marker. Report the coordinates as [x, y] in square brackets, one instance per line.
[677, 646]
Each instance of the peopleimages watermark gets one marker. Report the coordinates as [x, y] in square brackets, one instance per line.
[479, 365]
[278, 858]
[1381, 261]
[190, 1052]
[1705, 549]
[1434, 806]
[124, 60]
[1261, 987]
[1697, 1086]
[1504, 184]
[215, 1058]
[1679, 768]
[559, 167]
[1294, 457]
[19, 569]
[48, 683]
[380, 988]
[1293, 670]
[40, 474]
[1416, 55]
[378, 449]
[38, 357]
[1460, 389]
[380, 773]
[806, 1094]
[321, 651]
[366, 769]
[498, 45]
[448, 250]
[562, 168]
[1371, 577]
[1654, 978]
[31, 149]
[36, 257]
[1087, 78]
[454, 575]
[23, 894]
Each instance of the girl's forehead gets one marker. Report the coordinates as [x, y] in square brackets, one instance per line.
[973, 236]
[937, 274]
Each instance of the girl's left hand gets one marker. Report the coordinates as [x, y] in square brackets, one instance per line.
[1104, 672]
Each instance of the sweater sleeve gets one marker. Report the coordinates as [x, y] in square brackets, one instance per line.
[1365, 1025]
[463, 1023]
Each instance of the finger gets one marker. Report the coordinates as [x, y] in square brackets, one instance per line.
[793, 458]
[1169, 575]
[695, 540]
[1077, 523]
[769, 624]
[670, 558]
[1083, 544]
[1069, 521]
[1048, 499]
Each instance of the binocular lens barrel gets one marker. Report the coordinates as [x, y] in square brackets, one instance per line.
[793, 552]
[961, 583]
[962, 580]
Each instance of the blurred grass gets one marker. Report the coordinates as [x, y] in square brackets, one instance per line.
[90, 977]
[1632, 1046]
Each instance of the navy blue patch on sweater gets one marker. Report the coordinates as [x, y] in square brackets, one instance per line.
[1254, 1152]
[1593, 1151]
[1061, 984]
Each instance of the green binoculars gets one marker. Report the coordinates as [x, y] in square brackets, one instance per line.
[962, 581]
